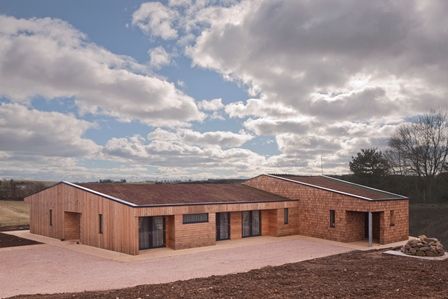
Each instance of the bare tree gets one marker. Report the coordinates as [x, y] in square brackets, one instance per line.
[421, 148]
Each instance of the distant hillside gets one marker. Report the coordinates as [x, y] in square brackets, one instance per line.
[19, 189]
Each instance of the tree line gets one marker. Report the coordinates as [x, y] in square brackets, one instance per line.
[414, 163]
[18, 190]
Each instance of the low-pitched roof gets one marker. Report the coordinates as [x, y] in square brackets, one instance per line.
[179, 194]
[341, 186]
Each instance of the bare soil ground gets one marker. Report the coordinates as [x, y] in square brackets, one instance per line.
[357, 274]
[12, 241]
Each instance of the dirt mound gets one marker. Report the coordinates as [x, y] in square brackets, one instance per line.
[424, 246]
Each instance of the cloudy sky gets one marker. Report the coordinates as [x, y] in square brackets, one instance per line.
[207, 89]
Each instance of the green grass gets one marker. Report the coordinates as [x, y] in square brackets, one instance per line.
[429, 219]
[13, 213]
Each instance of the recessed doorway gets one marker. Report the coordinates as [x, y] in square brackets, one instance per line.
[72, 226]
[251, 223]
[151, 232]
[222, 226]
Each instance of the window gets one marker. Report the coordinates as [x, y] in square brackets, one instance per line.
[392, 218]
[51, 217]
[195, 218]
[285, 216]
[100, 223]
[332, 218]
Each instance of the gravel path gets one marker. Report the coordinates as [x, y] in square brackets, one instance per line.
[51, 269]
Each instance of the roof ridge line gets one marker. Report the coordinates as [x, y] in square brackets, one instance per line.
[375, 189]
[322, 188]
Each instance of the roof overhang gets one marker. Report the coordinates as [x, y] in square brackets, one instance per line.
[133, 205]
[341, 192]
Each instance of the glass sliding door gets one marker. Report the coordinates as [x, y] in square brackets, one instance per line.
[256, 231]
[251, 223]
[158, 232]
[151, 232]
[222, 226]
[246, 223]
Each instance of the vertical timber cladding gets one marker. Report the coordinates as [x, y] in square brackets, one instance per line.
[120, 230]
[120, 222]
[314, 205]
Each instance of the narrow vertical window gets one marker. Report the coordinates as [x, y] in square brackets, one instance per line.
[100, 223]
[392, 218]
[332, 218]
[51, 217]
[285, 216]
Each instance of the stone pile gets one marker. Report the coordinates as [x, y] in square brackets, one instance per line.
[424, 246]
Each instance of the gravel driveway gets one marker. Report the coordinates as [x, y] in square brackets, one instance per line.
[50, 269]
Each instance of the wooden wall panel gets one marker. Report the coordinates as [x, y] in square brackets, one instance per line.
[120, 222]
[235, 226]
[120, 225]
[194, 234]
[314, 206]
[72, 226]
[269, 222]
[178, 210]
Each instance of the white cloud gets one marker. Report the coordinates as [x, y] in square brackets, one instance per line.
[180, 141]
[155, 19]
[31, 132]
[289, 51]
[52, 59]
[267, 126]
[187, 149]
[325, 79]
[221, 138]
[179, 2]
[158, 57]
[211, 105]
[259, 108]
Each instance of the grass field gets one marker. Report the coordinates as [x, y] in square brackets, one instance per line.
[13, 213]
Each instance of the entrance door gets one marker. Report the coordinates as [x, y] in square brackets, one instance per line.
[222, 226]
[375, 226]
[72, 226]
[251, 222]
[151, 232]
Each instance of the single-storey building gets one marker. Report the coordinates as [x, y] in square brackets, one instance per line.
[132, 217]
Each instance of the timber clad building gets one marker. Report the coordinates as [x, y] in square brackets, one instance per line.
[132, 217]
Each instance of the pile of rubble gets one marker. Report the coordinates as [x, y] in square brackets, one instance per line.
[424, 246]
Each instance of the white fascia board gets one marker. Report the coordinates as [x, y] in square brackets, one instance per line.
[387, 192]
[320, 187]
[101, 194]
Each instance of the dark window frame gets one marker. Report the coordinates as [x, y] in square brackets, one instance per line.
[164, 235]
[251, 216]
[332, 218]
[100, 223]
[218, 232]
[392, 218]
[285, 216]
[51, 217]
[185, 219]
